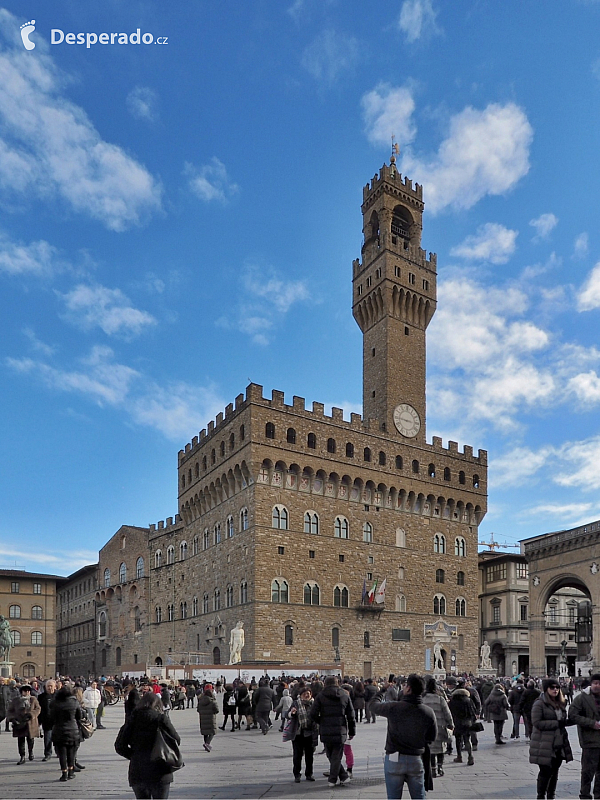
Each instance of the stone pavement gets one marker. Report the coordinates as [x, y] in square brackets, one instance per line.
[246, 764]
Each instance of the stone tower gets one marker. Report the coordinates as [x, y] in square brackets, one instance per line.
[394, 299]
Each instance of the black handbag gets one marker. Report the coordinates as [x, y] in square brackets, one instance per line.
[477, 727]
[165, 752]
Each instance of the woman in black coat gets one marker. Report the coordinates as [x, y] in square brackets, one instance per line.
[146, 778]
[244, 705]
[65, 713]
[306, 739]
[549, 741]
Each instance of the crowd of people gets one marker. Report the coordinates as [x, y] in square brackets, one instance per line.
[426, 721]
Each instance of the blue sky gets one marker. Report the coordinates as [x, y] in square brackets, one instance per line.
[179, 219]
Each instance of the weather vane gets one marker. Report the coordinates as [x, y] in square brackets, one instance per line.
[395, 152]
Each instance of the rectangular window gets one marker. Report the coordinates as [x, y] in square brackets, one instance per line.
[400, 635]
[411, 278]
[397, 272]
[341, 557]
[495, 572]
[37, 588]
[14, 587]
[311, 553]
[281, 550]
[496, 614]
[523, 571]
[369, 576]
[524, 612]
[425, 285]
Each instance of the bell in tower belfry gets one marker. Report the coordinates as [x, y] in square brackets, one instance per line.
[394, 299]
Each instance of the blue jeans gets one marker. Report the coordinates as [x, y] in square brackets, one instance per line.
[398, 769]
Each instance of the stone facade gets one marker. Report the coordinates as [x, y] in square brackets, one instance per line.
[287, 515]
[28, 600]
[76, 623]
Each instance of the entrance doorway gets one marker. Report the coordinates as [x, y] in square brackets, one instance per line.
[216, 655]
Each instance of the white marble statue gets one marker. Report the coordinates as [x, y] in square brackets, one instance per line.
[438, 661]
[486, 661]
[236, 643]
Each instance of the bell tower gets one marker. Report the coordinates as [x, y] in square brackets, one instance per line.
[394, 299]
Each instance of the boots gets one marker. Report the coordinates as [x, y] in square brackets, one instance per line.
[470, 761]
[458, 760]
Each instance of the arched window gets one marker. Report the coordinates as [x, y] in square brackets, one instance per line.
[222, 449]
[335, 637]
[232, 441]
[36, 637]
[460, 547]
[289, 635]
[229, 527]
[217, 533]
[280, 517]
[183, 551]
[139, 568]
[217, 600]
[341, 528]
[15, 637]
[400, 602]
[460, 578]
[242, 432]
[349, 450]
[311, 441]
[204, 463]
[244, 519]
[123, 573]
[197, 470]
[367, 532]
[171, 612]
[311, 522]
[158, 614]
[213, 456]
[331, 445]
[206, 539]
[341, 596]
[311, 594]
[195, 607]
[37, 612]
[439, 543]
[476, 481]
[461, 477]
[279, 591]
[243, 592]
[183, 481]
[446, 473]
[461, 607]
[270, 430]
[170, 554]
[431, 470]
[229, 596]
[118, 657]
[28, 670]
[102, 624]
[440, 576]
[291, 436]
[381, 458]
[415, 467]
[367, 454]
[196, 545]
[183, 610]
[400, 537]
[439, 605]
[107, 577]
[205, 603]
[366, 639]
[399, 462]
[158, 558]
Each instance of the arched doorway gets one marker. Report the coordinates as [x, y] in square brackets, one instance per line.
[158, 661]
[216, 655]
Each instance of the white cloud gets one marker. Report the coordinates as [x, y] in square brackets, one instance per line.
[514, 467]
[50, 148]
[388, 110]
[560, 510]
[492, 242]
[211, 181]
[267, 297]
[176, 410]
[589, 295]
[582, 467]
[417, 19]
[56, 562]
[543, 225]
[581, 246]
[485, 153]
[37, 258]
[586, 387]
[36, 344]
[141, 103]
[109, 309]
[329, 55]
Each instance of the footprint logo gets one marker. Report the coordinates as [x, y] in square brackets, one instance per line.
[26, 30]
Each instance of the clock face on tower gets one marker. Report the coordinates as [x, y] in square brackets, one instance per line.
[407, 420]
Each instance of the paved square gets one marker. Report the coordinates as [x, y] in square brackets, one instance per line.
[246, 764]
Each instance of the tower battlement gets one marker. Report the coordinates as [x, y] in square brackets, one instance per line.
[392, 176]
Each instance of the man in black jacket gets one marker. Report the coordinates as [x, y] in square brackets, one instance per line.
[45, 699]
[334, 713]
[411, 728]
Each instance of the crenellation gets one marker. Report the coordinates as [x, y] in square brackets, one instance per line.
[437, 443]
[278, 398]
[468, 451]
[337, 414]
[453, 447]
[161, 525]
[188, 447]
[355, 420]
[219, 419]
[211, 427]
[169, 522]
[483, 456]
[318, 409]
[202, 434]
[194, 442]
[299, 403]
[254, 393]
[228, 410]
[239, 401]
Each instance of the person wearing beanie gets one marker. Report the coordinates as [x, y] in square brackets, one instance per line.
[496, 707]
[23, 712]
[585, 713]
[207, 709]
[549, 745]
